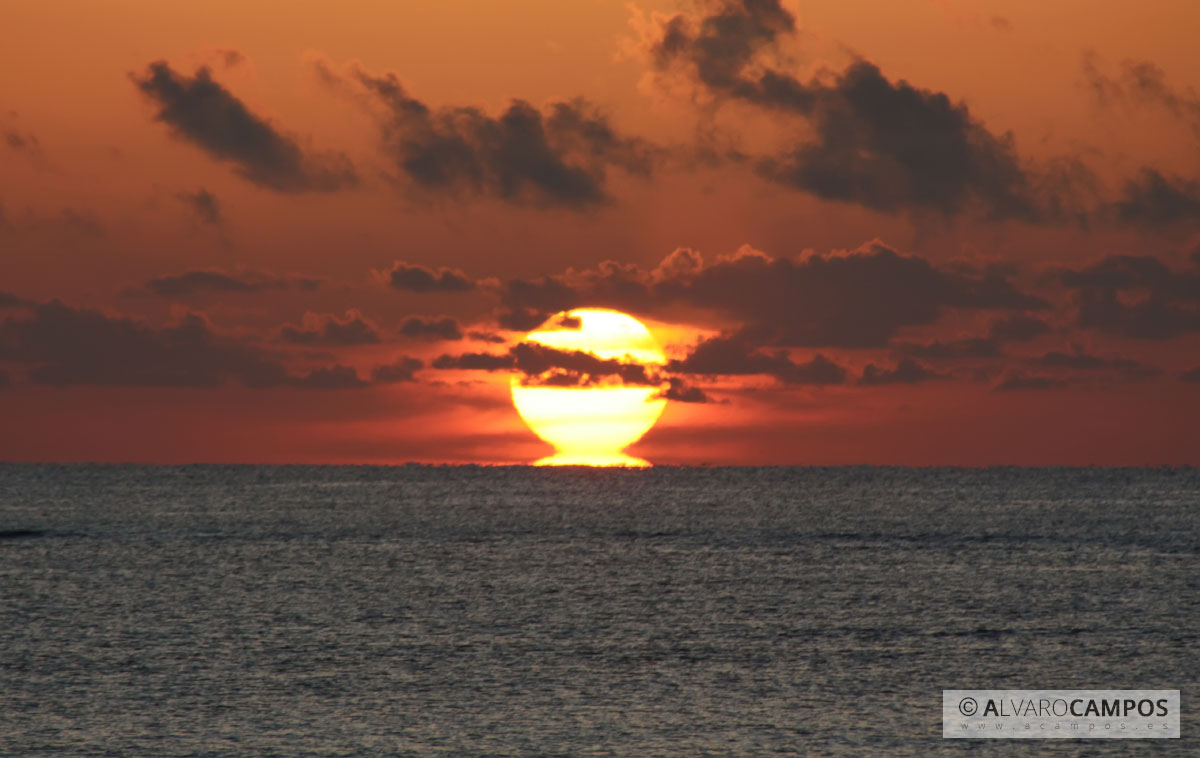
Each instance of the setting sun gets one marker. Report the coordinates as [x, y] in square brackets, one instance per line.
[591, 425]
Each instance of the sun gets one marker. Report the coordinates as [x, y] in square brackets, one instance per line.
[590, 426]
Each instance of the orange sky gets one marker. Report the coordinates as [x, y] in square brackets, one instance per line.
[924, 172]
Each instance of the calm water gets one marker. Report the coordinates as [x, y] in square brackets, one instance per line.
[213, 610]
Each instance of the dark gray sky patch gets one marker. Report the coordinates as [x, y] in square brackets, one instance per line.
[411, 277]
[681, 392]
[882, 144]
[66, 346]
[402, 369]
[215, 281]
[1136, 296]
[1153, 199]
[330, 331]
[203, 203]
[1017, 381]
[555, 156]
[733, 355]
[1080, 361]
[1191, 376]
[1017, 328]
[336, 377]
[859, 299]
[201, 111]
[423, 327]
[906, 371]
[491, 337]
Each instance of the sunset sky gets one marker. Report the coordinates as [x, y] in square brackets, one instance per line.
[944, 232]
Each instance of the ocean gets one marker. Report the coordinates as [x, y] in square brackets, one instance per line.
[511, 611]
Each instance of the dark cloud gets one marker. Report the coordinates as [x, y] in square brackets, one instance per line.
[401, 370]
[231, 57]
[411, 277]
[208, 281]
[733, 355]
[475, 362]
[68, 346]
[1080, 361]
[486, 337]
[4, 380]
[682, 392]
[1139, 83]
[859, 299]
[1017, 328]
[64, 346]
[331, 331]
[906, 371]
[1153, 199]
[542, 365]
[422, 327]
[201, 111]
[23, 142]
[335, 377]
[8, 300]
[883, 144]
[967, 347]
[555, 156]
[1191, 376]
[203, 203]
[1136, 296]
[1015, 381]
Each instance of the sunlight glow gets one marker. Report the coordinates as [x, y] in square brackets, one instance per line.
[590, 426]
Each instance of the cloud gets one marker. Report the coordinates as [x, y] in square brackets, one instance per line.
[886, 145]
[857, 299]
[7, 300]
[23, 142]
[63, 346]
[68, 346]
[906, 371]
[1191, 376]
[422, 327]
[1154, 199]
[335, 377]
[201, 111]
[475, 362]
[1016, 381]
[1136, 296]
[682, 392]
[402, 369]
[203, 203]
[1081, 361]
[733, 355]
[558, 155]
[4, 380]
[1142, 82]
[542, 365]
[330, 331]
[486, 337]
[1017, 328]
[215, 281]
[412, 277]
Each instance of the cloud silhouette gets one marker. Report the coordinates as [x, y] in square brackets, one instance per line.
[411, 277]
[423, 327]
[201, 111]
[886, 145]
[558, 155]
[330, 331]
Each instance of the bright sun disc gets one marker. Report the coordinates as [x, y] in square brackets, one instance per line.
[590, 426]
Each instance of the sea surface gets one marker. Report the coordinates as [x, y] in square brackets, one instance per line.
[512, 611]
